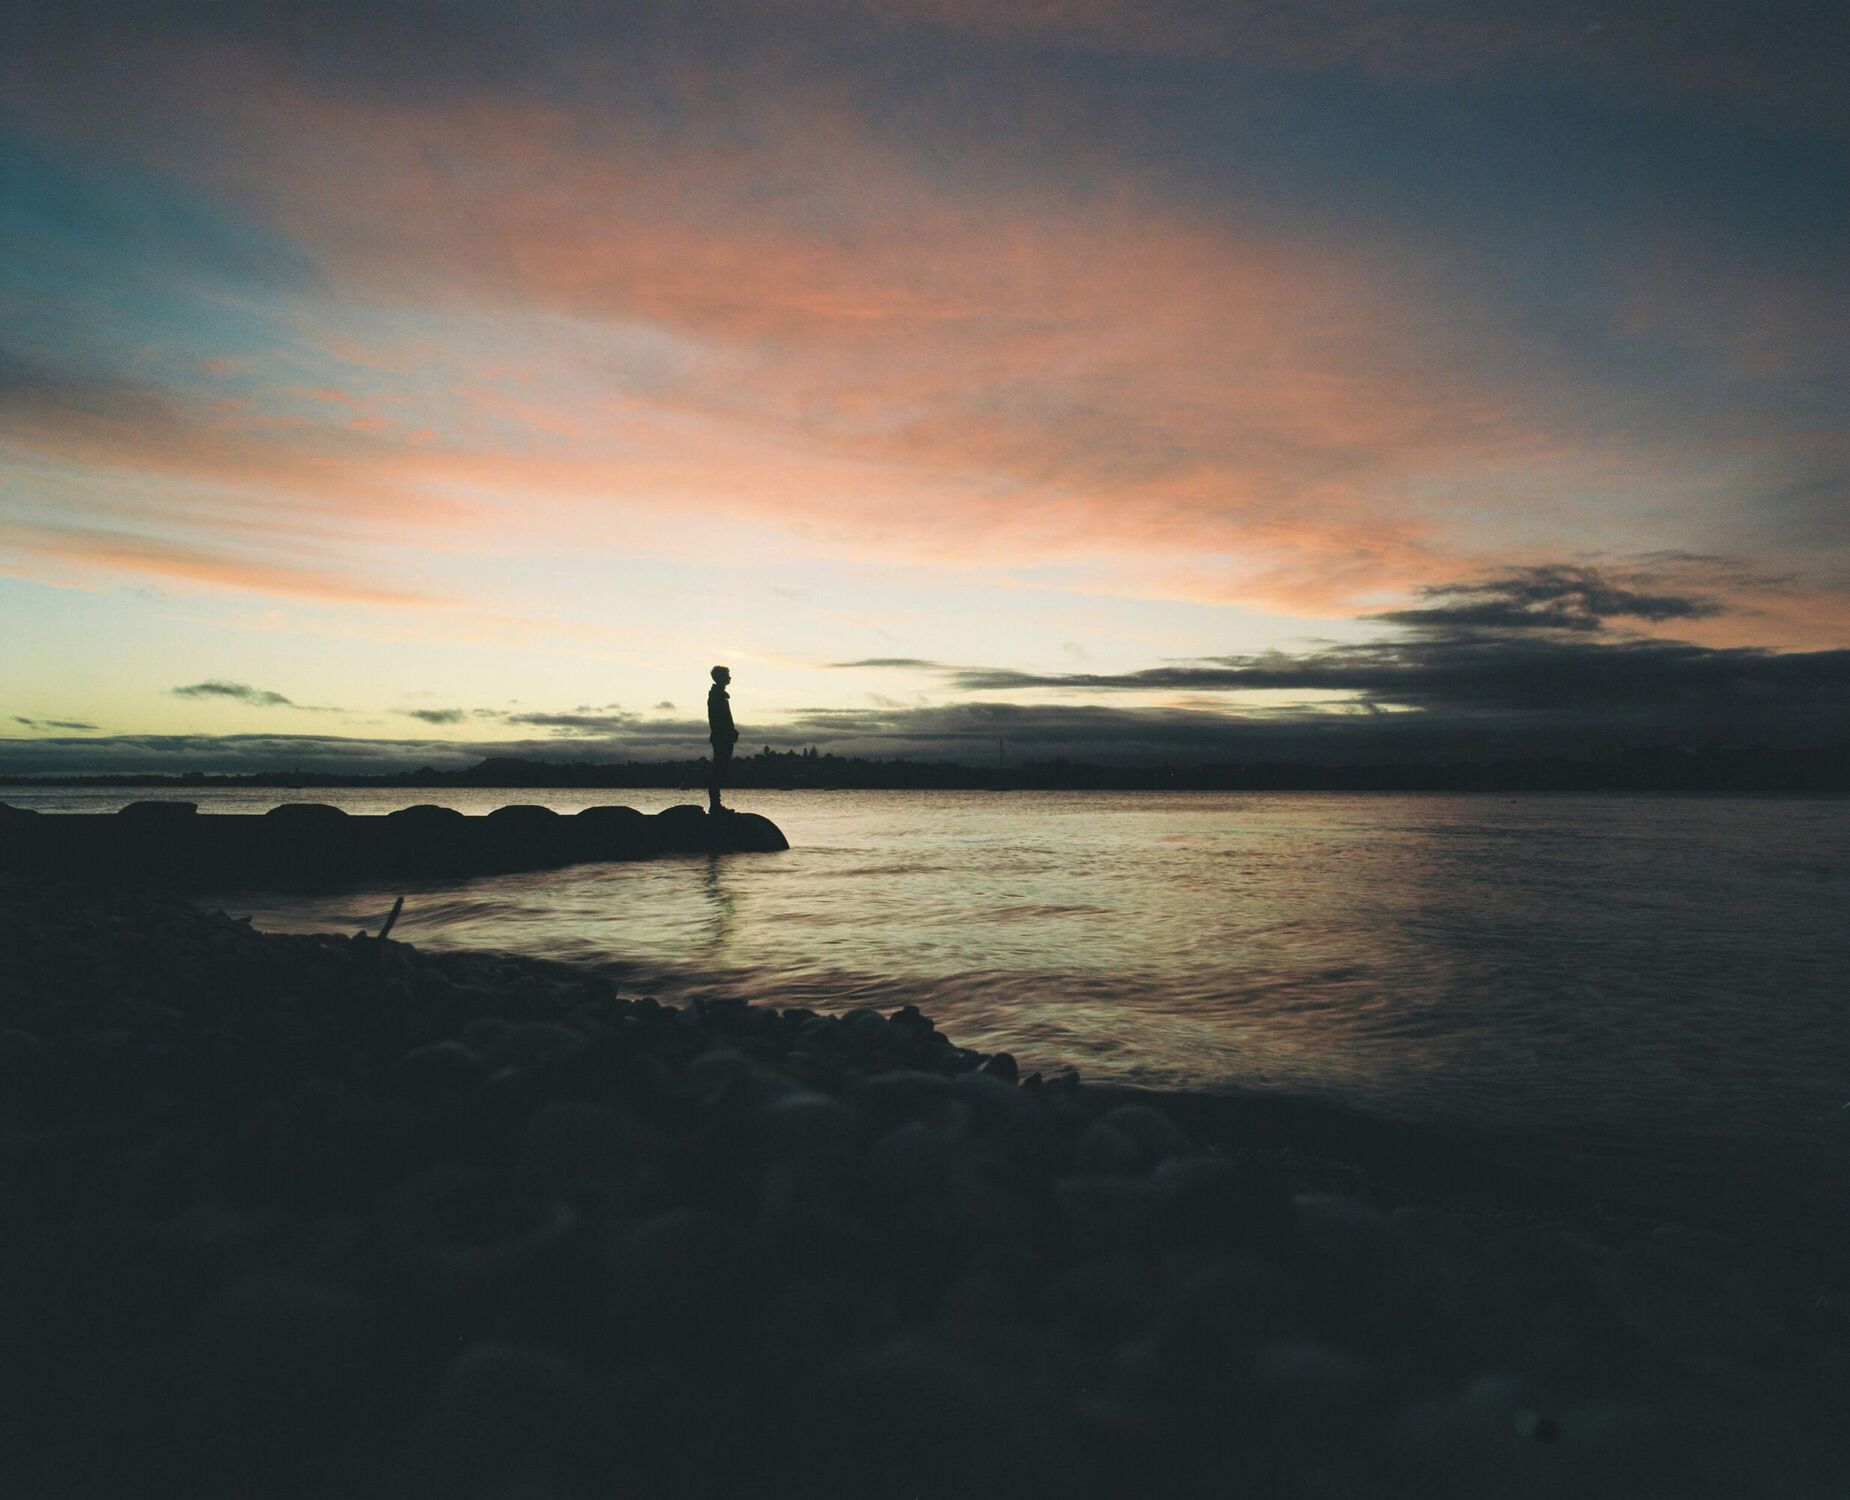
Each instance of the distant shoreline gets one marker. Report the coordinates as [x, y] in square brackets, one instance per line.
[1816, 771]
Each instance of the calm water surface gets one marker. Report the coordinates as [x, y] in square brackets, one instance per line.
[1658, 979]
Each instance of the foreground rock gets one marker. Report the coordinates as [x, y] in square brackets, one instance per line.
[310, 846]
[325, 1216]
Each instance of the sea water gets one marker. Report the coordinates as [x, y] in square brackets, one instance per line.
[1660, 983]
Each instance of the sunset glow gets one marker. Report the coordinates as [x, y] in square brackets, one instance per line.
[1130, 381]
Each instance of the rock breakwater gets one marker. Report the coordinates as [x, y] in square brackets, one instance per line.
[325, 1215]
[311, 846]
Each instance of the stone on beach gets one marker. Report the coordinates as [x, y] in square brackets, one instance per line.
[313, 1215]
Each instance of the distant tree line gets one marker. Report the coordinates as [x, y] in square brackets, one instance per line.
[1643, 769]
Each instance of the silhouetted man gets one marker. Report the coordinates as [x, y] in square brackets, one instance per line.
[721, 732]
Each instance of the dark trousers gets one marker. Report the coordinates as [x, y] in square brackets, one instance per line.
[722, 758]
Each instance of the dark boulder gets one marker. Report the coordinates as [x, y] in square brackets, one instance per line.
[427, 838]
[749, 833]
[523, 836]
[298, 843]
[687, 829]
[302, 818]
[160, 812]
[682, 829]
[502, 1414]
[611, 833]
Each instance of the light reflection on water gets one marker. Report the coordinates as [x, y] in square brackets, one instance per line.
[1642, 973]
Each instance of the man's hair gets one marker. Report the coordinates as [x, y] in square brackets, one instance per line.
[719, 672]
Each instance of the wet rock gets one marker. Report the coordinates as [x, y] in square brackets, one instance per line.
[1210, 1318]
[729, 1079]
[158, 812]
[425, 839]
[362, 1147]
[575, 1147]
[307, 818]
[484, 1033]
[741, 1218]
[506, 1422]
[1111, 1296]
[815, 1212]
[891, 1098]
[893, 1405]
[681, 1283]
[522, 835]
[816, 1319]
[993, 1098]
[1107, 1209]
[804, 1122]
[1132, 1138]
[457, 1232]
[280, 1380]
[752, 833]
[862, 1027]
[682, 828]
[617, 824]
[980, 1297]
[529, 1044]
[436, 1074]
[22, 1072]
[1003, 1066]
[1222, 1204]
[1308, 1379]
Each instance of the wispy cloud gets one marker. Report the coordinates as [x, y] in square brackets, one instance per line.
[60, 552]
[51, 723]
[250, 697]
[577, 724]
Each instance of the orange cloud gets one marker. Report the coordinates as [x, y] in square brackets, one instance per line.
[764, 313]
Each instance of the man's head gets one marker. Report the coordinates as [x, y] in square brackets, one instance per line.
[722, 675]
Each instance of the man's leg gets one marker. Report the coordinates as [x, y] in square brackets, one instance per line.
[722, 755]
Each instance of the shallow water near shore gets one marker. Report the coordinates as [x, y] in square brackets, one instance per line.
[1657, 988]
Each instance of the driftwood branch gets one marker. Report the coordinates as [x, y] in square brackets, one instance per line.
[397, 907]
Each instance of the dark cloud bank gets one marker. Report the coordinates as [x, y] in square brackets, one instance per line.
[1538, 661]
[1527, 664]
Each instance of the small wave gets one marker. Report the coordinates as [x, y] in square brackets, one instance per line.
[858, 872]
[1029, 912]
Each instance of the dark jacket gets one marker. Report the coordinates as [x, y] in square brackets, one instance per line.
[719, 717]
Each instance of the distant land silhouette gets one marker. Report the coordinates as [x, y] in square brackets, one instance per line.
[1638, 769]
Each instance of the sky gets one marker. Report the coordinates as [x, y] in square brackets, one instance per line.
[403, 383]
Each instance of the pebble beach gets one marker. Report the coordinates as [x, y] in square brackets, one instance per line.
[326, 1215]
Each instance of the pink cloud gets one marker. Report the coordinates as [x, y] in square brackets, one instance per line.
[872, 358]
[60, 549]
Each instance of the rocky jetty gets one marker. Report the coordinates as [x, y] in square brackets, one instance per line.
[309, 846]
[327, 1216]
